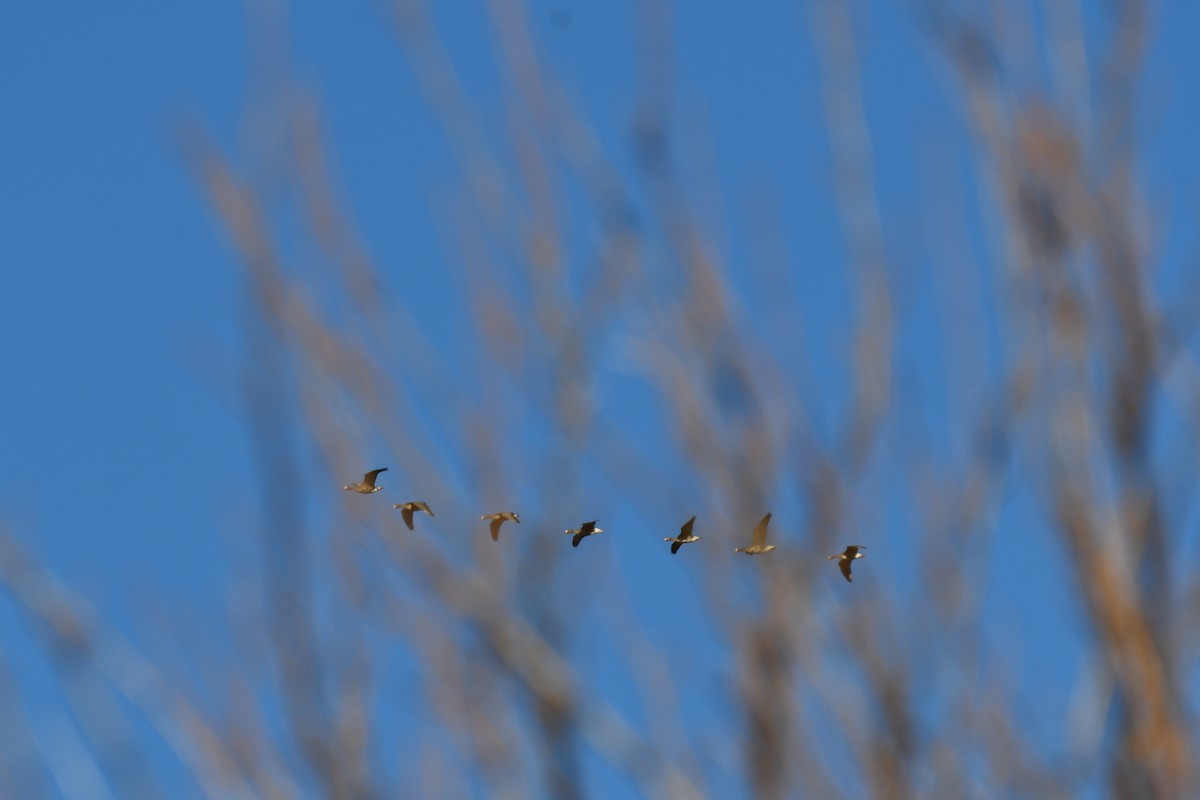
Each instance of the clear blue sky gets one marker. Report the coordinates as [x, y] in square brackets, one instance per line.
[125, 464]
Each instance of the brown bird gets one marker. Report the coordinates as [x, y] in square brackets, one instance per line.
[368, 483]
[583, 531]
[846, 558]
[498, 520]
[407, 509]
[759, 545]
[685, 536]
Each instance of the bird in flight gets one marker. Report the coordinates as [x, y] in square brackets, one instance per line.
[583, 531]
[368, 483]
[407, 509]
[685, 536]
[846, 558]
[759, 545]
[498, 519]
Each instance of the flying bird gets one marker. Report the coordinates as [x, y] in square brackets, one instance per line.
[498, 520]
[368, 483]
[759, 545]
[583, 531]
[407, 509]
[846, 558]
[685, 536]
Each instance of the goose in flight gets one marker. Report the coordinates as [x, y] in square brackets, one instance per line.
[407, 509]
[846, 558]
[759, 545]
[368, 483]
[583, 531]
[685, 536]
[498, 519]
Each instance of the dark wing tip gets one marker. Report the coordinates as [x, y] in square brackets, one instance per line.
[675, 547]
[577, 538]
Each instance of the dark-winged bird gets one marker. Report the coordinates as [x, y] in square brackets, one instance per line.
[498, 520]
[759, 544]
[407, 509]
[368, 483]
[583, 531]
[685, 536]
[846, 558]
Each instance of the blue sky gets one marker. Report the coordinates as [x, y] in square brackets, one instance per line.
[126, 467]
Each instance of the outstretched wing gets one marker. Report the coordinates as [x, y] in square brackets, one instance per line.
[760, 531]
[844, 565]
[852, 550]
[675, 547]
[686, 530]
[588, 527]
[369, 478]
[425, 507]
[577, 538]
[495, 526]
[407, 513]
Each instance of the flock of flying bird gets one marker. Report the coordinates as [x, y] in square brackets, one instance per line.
[757, 545]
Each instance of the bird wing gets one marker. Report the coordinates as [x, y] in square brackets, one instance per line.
[675, 547]
[369, 478]
[852, 550]
[844, 565]
[686, 530]
[588, 527]
[407, 513]
[495, 526]
[760, 531]
[425, 507]
[577, 538]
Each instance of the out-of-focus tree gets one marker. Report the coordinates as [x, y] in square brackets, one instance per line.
[446, 665]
